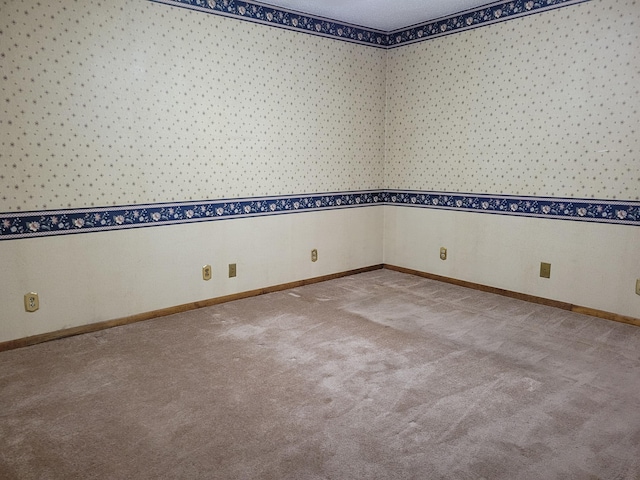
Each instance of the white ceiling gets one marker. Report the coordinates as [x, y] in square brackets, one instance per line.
[385, 15]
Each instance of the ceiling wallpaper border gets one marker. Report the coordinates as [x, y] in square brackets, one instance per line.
[282, 18]
[475, 18]
[87, 220]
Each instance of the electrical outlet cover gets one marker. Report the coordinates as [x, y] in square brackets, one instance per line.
[206, 272]
[31, 302]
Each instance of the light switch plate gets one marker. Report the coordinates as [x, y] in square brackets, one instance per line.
[545, 270]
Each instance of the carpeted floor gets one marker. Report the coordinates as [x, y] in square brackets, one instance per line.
[380, 375]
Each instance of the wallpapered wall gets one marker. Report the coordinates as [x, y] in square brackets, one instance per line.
[120, 102]
[124, 103]
[545, 105]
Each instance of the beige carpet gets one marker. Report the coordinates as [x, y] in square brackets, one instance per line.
[380, 375]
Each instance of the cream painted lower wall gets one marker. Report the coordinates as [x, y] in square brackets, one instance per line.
[592, 265]
[88, 278]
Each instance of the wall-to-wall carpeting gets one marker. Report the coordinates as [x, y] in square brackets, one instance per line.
[379, 375]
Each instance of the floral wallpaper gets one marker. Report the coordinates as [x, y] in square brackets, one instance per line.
[131, 114]
[546, 105]
[121, 102]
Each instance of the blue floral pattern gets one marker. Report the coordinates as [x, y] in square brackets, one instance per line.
[474, 18]
[602, 211]
[285, 19]
[46, 223]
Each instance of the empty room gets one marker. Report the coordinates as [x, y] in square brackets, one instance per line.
[320, 240]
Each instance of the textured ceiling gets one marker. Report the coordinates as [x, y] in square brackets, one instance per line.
[385, 15]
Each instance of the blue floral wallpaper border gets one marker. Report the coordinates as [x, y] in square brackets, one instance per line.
[49, 222]
[588, 210]
[61, 222]
[291, 20]
[480, 17]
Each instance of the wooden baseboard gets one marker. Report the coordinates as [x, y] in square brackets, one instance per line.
[606, 315]
[521, 296]
[70, 332]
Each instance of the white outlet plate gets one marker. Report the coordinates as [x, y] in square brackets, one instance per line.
[638, 286]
